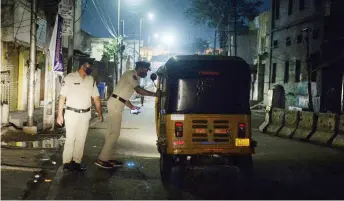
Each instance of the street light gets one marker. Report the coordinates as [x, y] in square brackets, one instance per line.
[168, 39]
[150, 16]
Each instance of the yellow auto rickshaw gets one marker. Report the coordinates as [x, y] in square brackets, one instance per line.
[203, 112]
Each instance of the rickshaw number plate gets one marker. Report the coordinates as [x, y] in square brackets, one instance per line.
[242, 142]
[221, 131]
[177, 117]
[200, 130]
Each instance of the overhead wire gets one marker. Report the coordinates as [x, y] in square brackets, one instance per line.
[112, 25]
[104, 22]
[113, 28]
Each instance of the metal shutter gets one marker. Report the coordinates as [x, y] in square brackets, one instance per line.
[12, 65]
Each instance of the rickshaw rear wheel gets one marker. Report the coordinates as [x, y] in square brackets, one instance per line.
[166, 165]
[245, 165]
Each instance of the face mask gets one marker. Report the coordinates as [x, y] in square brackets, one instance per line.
[142, 74]
[88, 71]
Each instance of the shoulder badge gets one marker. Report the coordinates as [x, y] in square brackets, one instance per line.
[134, 77]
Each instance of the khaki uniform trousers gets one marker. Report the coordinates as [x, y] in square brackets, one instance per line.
[115, 112]
[76, 131]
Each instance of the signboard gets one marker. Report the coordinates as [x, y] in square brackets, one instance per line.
[66, 11]
[55, 46]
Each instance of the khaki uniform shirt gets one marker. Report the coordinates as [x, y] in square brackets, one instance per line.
[78, 91]
[125, 86]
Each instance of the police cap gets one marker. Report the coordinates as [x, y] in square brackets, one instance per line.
[142, 64]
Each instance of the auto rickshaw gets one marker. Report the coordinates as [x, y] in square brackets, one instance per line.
[203, 112]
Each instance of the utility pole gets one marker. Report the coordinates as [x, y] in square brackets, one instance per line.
[215, 34]
[309, 71]
[121, 49]
[71, 43]
[141, 23]
[31, 128]
[235, 27]
[134, 48]
[118, 75]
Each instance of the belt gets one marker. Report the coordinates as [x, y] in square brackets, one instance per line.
[78, 110]
[119, 98]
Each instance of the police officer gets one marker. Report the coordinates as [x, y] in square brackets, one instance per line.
[125, 88]
[77, 89]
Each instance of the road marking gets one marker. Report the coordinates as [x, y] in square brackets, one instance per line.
[54, 188]
[25, 169]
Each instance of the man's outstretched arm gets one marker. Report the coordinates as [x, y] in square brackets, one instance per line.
[144, 92]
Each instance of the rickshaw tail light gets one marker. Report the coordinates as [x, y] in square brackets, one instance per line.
[179, 129]
[241, 130]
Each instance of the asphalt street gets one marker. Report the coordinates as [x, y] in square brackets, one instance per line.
[284, 169]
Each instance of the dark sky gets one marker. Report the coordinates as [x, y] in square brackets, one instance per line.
[169, 18]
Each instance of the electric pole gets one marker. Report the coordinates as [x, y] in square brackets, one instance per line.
[118, 75]
[31, 128]
[71, 43]
[134, 48]
[216, 29]
[235, 27]
[309, 71]
[215, 34]
[141, 22]
[121, 49]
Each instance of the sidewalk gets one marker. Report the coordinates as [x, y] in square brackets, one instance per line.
[33, 165]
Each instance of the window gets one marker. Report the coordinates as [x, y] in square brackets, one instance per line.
[299, 39]
[286, 72]
[288, 41]
[275, 43]
[277, 9]
[262, 45]
[274, 68]
[301, 5]
[315, 34]
[290, 7]
[297, 71]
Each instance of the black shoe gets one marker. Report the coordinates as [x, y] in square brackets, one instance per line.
[104, 164]
[115, 163]
[67, 167]
[79, 167]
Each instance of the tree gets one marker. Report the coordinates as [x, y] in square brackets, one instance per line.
[199, 45]
[220, 13]
[111, 50]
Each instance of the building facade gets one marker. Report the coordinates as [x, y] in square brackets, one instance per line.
[299, 42]
[261, 24]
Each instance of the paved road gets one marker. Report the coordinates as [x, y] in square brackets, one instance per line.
[284, 169]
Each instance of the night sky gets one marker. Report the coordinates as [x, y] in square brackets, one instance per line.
[169, 18]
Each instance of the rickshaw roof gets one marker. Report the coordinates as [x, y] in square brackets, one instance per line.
[182, 58]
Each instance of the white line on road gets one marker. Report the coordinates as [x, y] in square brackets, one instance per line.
[25, 169]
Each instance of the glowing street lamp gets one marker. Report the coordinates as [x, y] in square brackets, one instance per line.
[168, 39]
[150, 16]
